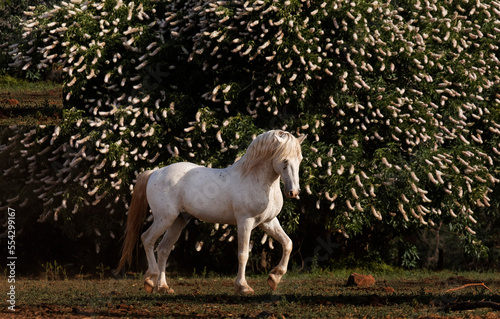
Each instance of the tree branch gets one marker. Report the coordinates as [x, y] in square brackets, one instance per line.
[468, 285]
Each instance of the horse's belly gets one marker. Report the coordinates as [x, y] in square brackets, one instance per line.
[207, 195]
[211, 210]
[215, 218]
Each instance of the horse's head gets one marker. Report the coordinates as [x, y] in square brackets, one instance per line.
[287, 163]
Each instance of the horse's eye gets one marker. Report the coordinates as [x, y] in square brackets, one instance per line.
[285, 162]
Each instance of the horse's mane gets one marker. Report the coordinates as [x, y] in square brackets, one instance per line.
[272, 144]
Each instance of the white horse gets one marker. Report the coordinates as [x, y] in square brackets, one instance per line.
[246, 194]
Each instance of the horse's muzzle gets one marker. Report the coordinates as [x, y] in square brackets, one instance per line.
[292, 193]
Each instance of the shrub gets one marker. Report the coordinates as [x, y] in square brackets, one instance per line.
[399, 102]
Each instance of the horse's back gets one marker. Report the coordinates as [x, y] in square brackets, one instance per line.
[197, 190]
[173, 171]
[168, 177]
[164, 184]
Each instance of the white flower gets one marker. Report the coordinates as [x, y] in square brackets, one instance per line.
[470, 230]
[91, 74]
[308, 189]
[330, 198]
[219, 137]
[92, 192]
[358, 181]
[340, 171]
[354, 194]
[376, 213]
[386, 163]
[72, 82]
[142, 65]
[431, 177]
[348, 203]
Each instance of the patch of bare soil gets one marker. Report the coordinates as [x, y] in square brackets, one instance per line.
[31, 107]
[300, 298]
[51, 97]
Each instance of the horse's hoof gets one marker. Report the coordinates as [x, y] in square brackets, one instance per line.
[166, 290]
[245, 291]
[273, 281]
[149, 286]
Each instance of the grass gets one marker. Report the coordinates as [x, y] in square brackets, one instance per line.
[25, 102]
[10, 83]
[320, 294]
[54, 271]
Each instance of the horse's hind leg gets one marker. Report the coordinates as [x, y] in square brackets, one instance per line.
[165, 247]
[149, 237]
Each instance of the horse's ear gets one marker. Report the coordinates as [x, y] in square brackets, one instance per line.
[302, 138]
[280, 136]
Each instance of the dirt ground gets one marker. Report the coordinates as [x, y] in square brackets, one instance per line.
[323, 296]
[31, 107]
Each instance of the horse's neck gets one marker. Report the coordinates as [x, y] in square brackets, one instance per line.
[263, 172]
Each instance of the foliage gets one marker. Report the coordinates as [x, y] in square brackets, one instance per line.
[399, 101]
[11, 13]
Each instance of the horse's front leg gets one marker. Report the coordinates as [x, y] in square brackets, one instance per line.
[244, 230]
[274, 229]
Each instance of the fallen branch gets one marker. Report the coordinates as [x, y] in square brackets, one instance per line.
[468, 305]
[468, 285]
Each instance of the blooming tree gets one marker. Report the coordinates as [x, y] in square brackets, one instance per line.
[399, 100]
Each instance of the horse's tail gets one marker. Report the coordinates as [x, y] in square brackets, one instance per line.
[136, 214]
